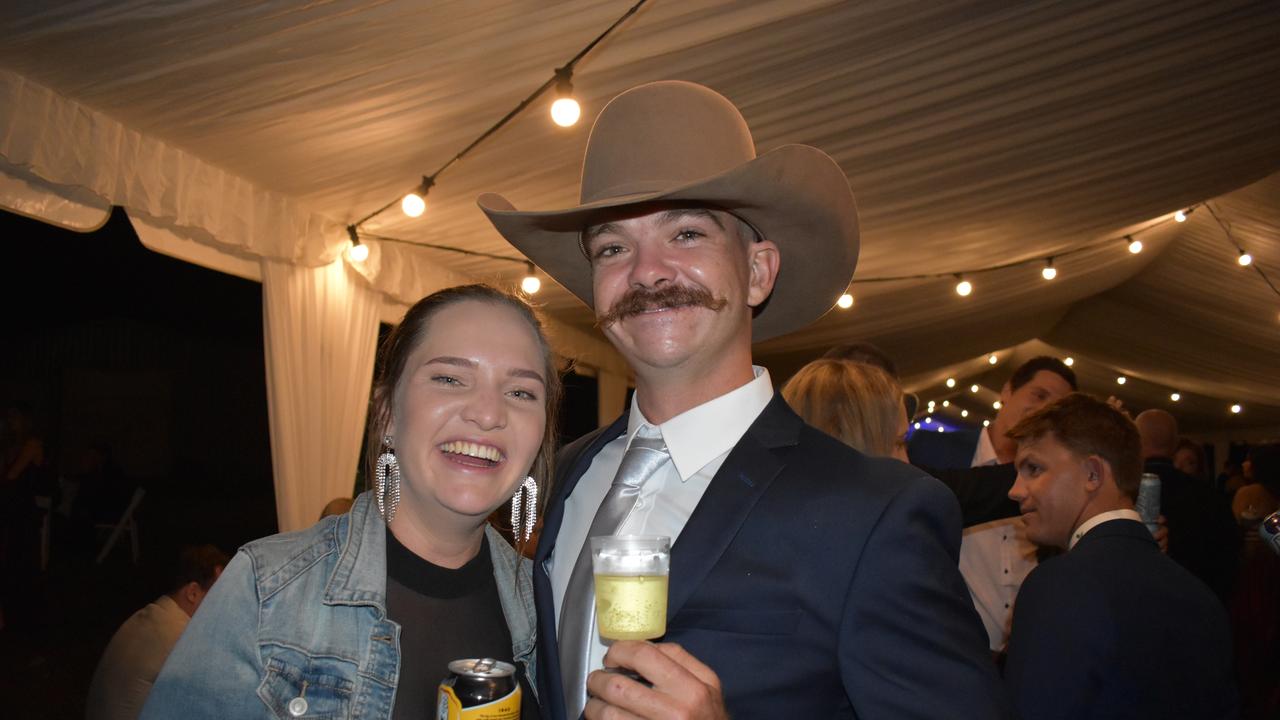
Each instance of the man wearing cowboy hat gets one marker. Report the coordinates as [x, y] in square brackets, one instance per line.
[807, 580]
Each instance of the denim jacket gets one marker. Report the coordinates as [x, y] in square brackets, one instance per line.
[297, 627]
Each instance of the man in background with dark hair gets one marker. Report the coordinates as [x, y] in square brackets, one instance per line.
[1036, 383]
[137, 651]
[1112, 628]
[995, 556]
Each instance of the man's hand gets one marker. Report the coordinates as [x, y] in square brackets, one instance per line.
[683, 687]
[1162, 534]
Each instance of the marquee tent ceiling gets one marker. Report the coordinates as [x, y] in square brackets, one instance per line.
[973, 134]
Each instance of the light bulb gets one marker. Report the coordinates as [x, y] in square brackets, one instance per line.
[986, 423]
[1068, 361]
[1245, 259]
[565, 111]
[1135, 247]
[946, 403]
[931, 404]
[951, 382]
[1175, 397]
[1049, 272]
[1180, 216]
[963, 288]
[916, 426]
[964, 413]
[928, 419]
[1122, 380]
[996, 404]
[359, 253]
[413, 205]
[973, 388]
[531, 284]
[941, 429]
[992, 359]
[845, 302]
[1236, 409]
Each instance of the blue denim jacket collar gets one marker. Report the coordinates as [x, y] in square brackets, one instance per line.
[360, 575]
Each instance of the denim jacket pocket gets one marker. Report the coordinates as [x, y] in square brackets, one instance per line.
[298, 685]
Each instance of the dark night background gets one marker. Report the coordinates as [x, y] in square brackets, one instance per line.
[160, 363]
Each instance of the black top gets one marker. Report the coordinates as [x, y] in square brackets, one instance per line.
[444, 615]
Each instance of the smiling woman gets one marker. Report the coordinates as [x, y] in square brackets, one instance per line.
[327, 621]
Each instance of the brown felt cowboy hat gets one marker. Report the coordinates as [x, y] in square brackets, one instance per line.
[678, 142]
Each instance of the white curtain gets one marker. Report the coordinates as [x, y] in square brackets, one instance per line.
[321, 330]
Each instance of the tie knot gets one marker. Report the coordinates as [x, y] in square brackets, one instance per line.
[645, 455]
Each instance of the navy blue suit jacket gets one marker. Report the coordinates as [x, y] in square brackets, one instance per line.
[943, 450]
[817, 583]
[1114, 629]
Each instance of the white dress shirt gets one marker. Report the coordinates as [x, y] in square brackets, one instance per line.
[1096, 520]
[699, 441]
[995, 558]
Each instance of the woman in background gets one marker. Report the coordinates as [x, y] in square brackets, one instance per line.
[858, 404]
[359, 616]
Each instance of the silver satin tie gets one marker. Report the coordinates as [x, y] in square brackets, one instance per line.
[578, 611]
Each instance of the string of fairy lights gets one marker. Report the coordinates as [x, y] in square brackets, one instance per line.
[564, 111]
[925, 417]
[1131, 241]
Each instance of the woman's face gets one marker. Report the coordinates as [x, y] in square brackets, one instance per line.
[468, 412]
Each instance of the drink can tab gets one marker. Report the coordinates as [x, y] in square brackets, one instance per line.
[1148, 504]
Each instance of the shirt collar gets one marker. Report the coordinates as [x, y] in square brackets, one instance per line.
[699, 435]
[1096, 520]
[985, 454]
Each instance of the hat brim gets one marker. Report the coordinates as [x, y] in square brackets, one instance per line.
[796, 196]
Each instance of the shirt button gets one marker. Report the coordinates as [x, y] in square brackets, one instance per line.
[1006, 572]
[298, 707]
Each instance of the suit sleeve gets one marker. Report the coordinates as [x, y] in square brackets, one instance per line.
[215, 669]
[1060, 637]
[983, 491]
[911, 644]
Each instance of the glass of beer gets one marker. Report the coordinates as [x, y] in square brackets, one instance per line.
[631, 585]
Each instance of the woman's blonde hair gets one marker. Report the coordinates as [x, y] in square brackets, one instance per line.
[858, 404]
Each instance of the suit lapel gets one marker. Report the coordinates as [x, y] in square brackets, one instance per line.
[745, 475]
[577, 458]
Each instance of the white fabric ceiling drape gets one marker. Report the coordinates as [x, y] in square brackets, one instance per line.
[321, 328]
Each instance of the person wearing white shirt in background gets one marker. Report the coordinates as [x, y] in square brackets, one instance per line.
[996, 556]
[137, 651]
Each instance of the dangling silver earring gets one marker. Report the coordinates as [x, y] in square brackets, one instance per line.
[526, 496]
[388, 469]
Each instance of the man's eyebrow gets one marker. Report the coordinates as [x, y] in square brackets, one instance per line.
[678, 214]
[463, 362]
[595, 231]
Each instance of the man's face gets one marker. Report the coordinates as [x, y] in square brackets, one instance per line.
[1043, 388]
[1051, 489]
[674, 288]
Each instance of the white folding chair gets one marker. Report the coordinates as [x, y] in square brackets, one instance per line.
[128, 524]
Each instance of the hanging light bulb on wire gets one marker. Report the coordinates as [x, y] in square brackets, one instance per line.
[1135, 246]
[565, 111]
[530, 284]
[963, 287]
[1245, 259]
[1049, 272]
[415, 203]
